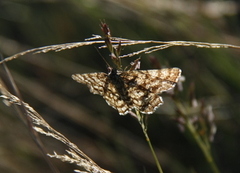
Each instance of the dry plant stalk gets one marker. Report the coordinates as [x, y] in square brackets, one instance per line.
[124, 42]
[74, 154]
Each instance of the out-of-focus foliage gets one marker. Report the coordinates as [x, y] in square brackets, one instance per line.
[116, 142]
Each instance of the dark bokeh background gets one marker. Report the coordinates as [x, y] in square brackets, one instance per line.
[116, 142]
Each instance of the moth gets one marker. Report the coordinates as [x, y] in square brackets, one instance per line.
[132, 89]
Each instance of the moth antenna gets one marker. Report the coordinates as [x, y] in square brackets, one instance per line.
[109, 67]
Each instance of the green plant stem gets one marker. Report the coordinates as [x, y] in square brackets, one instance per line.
[142, 123]
[153, 152]
[204, 147]
[194, 135]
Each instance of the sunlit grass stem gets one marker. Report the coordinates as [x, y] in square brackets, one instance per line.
[141, 120]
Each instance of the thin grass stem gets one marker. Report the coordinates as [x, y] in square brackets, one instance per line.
[203, 146]
[142, 122]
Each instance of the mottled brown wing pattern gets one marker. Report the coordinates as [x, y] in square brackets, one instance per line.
[113, 98]
[156, 81]
[135, 89]
[95, 81]
[146, 87]
[98, 84]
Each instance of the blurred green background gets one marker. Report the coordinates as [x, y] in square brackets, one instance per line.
[116, 142]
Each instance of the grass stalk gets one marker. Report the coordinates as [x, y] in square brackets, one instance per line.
[206, 150]
[201, 142]
[142, 122]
